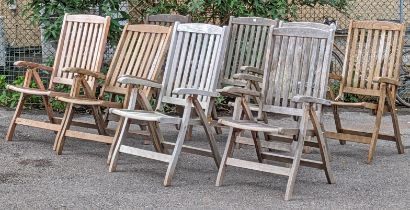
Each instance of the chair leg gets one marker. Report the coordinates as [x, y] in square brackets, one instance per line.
[99, 121]
[208, 131]
[294, 169]
[322, 146]
[180, 141]
[189, 132]
[65, 125]
[338, 123]
[17, 113]
[377, 124]
[258, 146]
[121, 136]
[395, 122]
[214, 114]
[115, 138]
[297, 153]
[230, 143]
[48, 109]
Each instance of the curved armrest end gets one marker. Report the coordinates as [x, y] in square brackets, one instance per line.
[386, 80]
[27, 64]
[132, 80]
[194, 91]
[310, 99]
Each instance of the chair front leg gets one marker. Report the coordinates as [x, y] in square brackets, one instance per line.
[338, 123]
[233, 134]
[391, 105]
[322, 145]
[377, 123]
[65, 125]
[297, 150]
[20, 106]
[118, 138]
[211, 138]
[17, 113]
[180, 141]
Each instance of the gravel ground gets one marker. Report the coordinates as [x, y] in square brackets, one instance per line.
[33, 177]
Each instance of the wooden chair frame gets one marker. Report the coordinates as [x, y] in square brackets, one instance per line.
[371, 67]
[166, 19]
[169, 20]
[299, 72]
[81, 44]
[254, 77]
[141, 52]
[201, 45]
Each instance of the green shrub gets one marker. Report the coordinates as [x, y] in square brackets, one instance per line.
[219, 11]
[50, 14]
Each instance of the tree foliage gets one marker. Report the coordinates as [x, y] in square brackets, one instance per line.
[219, 11]
[49, 14]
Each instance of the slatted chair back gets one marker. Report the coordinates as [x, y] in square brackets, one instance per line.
[248, 39]
[374, 49]
[166, 19]
[140, 52]
[194, 61]
[82, 45]
[297, 63]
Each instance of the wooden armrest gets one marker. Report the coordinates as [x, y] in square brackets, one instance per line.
[193, 91]
[84, 72]
[32, 65]
[232, 90]
[248, 77]
[251, 69]
[310, 99]
[133, 80]
[386, 80]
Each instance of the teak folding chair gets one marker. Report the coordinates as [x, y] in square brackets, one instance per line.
[294, 84]
[169, 20]
[166, 19]
[140, 52]
[372, 68]
[81, 44]
[246, 50]
[191, 77]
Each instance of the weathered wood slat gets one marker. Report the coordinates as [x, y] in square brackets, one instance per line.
[145, 153]
[258, 166]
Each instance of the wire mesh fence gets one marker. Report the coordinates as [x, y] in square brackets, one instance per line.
[21, 40]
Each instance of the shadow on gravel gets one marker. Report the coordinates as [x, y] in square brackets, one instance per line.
[36, 163]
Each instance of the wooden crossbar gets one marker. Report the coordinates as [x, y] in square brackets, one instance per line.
[348, 137]
[145, 153]
[37, 124]
[89, 136]
[265, 144]
[258, 166]
[190, 149]
[288, 159]
[361, 133]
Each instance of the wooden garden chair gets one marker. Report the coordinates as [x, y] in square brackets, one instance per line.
[191, 78]
[245, 56]
[254, 77]
[166, 19]
[371, 68]
[294, 84]
[140, 52]
[81, 44]
[246, 50]
[169, 20]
